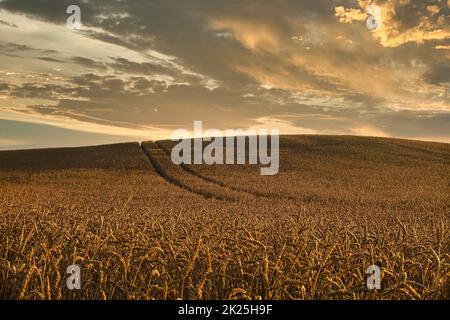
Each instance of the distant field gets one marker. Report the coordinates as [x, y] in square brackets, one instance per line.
[353, 170]
[142, 228]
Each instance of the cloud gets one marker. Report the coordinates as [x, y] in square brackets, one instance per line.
[439, 74]
[308, 66]
[402, 21]
[442, 47]
[348, 15]
[89, 63]
[9, 24]
[14, 47]
[50, 59]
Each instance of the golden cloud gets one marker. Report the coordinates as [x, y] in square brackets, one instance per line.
[442, 47]
[433, 10]
[252, 35]
[348, 15]
[429, 25]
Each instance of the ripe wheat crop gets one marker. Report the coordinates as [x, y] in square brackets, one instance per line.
[337, 206]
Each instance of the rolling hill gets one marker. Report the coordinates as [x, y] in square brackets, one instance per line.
[141, 227]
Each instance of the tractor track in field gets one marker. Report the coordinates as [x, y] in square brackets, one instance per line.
[211, 180]
[236, 193]
[220, 183]
[172, 179]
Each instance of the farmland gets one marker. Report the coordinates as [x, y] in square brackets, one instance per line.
[142, 228]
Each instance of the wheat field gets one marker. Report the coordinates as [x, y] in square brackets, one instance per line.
[140, 227]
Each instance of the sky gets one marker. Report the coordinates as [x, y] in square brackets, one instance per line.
[139, 69]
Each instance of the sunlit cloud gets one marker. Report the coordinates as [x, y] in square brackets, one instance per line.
[348, 15]
[442, 47]
[142, 133]
[420, 22]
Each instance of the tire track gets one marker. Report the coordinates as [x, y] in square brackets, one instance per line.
[150, 147]
[220, 183]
